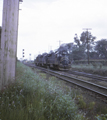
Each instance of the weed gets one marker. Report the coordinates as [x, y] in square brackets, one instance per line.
[33, 98]
[101, 117]
[91, 105]
[101, 110]
[94, 68]
[81, 102]
[52, 78]
[43, 75]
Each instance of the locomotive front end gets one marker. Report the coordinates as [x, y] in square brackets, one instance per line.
[64, 61]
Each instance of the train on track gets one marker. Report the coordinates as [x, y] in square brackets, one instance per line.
[57, 60]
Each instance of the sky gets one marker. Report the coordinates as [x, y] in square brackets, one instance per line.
[42, 23]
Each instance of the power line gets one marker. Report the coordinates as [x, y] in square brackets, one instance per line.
[87, 29]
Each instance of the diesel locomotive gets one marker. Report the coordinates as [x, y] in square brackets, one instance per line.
[58, 60]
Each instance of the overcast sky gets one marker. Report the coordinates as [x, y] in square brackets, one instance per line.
[42, 23]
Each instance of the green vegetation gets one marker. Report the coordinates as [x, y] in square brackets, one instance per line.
[33, 98]
[95, 68]
[102, 117]
[80, 102]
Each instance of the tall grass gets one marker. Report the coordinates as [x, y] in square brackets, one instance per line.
[91, 68]
[32, 98]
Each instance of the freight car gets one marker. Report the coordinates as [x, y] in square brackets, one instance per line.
[57, 60]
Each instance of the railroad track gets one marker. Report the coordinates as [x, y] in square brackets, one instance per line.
[99, 90]
[95, 77]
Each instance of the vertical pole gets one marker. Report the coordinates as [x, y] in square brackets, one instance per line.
[87, 47]
[59, 42]
[30, 57]
[8, 49]
[87, 43]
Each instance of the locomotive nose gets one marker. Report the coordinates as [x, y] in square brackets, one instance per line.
[64, 62]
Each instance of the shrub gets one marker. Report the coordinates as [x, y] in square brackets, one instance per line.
[33, 98]
[102, 117]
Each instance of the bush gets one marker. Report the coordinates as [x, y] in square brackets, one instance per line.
[102, 117]
[32, 98]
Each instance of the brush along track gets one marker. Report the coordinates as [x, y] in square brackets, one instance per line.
[94, 88]
[99, 90]
[79, 82]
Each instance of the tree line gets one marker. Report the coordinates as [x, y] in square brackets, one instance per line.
[85, 47]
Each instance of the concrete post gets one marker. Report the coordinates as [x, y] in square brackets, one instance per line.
[8, 48]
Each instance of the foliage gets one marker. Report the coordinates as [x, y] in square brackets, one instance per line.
[102, 117]
[93, 55]
[81, 102]
[91, 105]
[43, 75]
[66, 47]
[33, 98]
[94, 68]
[78, 53]
[86, 47]
[83, 44]
[101, 48]
[86, 40]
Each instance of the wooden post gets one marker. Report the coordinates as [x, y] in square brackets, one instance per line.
[87, 44]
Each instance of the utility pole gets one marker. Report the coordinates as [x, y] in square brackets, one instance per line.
[30, 57]
[87, 42]
[8, 42]
[59, 42]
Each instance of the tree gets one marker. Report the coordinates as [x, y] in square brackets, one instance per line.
[67, 47]
[86, 41]
[101, 48]
[94, 55]
[78, 53]
[77, 40]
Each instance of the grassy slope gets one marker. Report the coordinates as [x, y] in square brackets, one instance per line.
[32, 98]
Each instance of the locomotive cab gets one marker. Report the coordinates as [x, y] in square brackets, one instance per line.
[64, 62]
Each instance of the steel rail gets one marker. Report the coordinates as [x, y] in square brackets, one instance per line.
[98, 89]
[96, 77]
